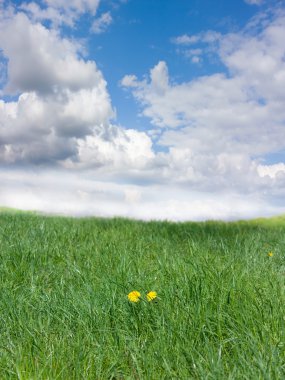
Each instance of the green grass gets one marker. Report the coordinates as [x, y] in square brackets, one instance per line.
[64, 312]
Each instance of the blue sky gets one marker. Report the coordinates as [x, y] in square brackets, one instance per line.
[142, 108]
[141, 35]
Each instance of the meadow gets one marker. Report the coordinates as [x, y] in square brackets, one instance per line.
[65, 313]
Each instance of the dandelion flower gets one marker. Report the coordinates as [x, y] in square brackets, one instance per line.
[151, 296]
[134, 296]
[270, 254]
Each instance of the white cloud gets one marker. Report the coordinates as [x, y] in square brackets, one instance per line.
[60, 11]
[254, 2]
[273, 171]
[208, 36]
[114, 148]
[242, 112]
[218, 127]
[40, 60]
[185, 39]
[196, 59]
[80, 6]
[79, 194]
[198, 47]
[159, 78]
[130, 81]
[101, 24]
[215, 129]
[194, 54]
[37, 13]
[59, 118]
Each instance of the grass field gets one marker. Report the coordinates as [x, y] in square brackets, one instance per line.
[65, 314]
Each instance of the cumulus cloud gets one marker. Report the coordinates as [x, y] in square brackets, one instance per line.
[159, 78]
[198, 46]
[101, 24]
[239, 108]
[114, 148]
[56, 113]
[63, 113]
[80, 6]
[41, 61]
[59, 11]
[273, 171]
[218, 127]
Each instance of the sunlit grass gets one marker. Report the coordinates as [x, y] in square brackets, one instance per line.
[65, 313]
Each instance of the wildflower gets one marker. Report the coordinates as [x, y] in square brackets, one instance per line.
[151, 296]
[134, 296]
[270, 254]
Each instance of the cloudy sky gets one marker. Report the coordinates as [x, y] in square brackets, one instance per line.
[150, 109]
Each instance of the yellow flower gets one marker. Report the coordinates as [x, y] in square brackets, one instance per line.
[270, 254]
[151, 296]
[134, 296]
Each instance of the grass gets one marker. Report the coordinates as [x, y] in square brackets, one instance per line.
[64, 311]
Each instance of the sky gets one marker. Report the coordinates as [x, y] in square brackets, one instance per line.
[146, 109]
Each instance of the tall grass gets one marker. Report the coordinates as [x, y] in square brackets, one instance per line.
[64, 311]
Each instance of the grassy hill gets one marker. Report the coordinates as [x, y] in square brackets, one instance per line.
[65, 314]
